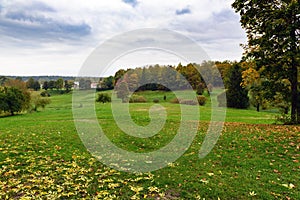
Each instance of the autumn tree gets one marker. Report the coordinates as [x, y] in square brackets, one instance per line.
[254, 84]
[122, 90]
[273, 33]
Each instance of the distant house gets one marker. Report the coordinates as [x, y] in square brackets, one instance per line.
[94, 85]
[76, 85]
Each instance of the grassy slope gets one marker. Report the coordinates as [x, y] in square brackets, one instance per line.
[42, 155]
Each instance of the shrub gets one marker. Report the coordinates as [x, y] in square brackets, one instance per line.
[188, 102]
[45, 94]
[137, 99]
[39, 102]
[103, 98]
[155, 100]
[201, 100]
[175, 100]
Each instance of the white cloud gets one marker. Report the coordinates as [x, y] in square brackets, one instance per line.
[55, 37]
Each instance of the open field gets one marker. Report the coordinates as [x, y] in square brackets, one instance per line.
[42, 156]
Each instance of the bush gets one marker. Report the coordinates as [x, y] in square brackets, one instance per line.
[103, 98]
[137, 99]
[201, 100]
[45, 94]
[155, 100]
[39, 102]
[188, 102]
[175, 100]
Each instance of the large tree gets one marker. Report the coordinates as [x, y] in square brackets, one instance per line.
[273, 33]
[237, 96]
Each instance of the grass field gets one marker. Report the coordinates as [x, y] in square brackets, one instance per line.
[42, 157]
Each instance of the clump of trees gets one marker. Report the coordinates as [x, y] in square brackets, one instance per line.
[167, 78]
[15, 98]
[58, 84]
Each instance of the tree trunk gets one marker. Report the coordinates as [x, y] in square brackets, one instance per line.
[257, 107]
[294, 73]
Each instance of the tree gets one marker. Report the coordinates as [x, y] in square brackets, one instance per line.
[12, 100]
[133, 82]
[84, 84]
[59, 84]
[254, 84]
[39, 102]
[51, 85]
[119, 74]
[107, 84]
[68, 85]
[36, 86]
[122, 90]
[273, 34]
[237, 96]
[3, 79]
[30, 83]
[22, 86]
[45, 85]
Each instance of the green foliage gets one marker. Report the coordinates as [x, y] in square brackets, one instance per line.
[32, 84]
[37, 101]
[237, 96]
[103, 98]
[51, 85]
[106, 84]
[45, 85]
[201, 100]
[155, 100]
[12, 100]
[45, 94]
[273, 34]
[68, 85]
[59, 84]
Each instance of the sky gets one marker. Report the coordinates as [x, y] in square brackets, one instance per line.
[55, 37]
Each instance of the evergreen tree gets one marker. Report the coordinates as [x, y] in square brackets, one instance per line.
[237, 96]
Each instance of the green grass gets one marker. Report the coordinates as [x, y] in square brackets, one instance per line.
[41, 155]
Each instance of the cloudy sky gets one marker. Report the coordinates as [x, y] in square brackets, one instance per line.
[55, 37]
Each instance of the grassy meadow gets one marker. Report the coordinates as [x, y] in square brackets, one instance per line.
[42, 157]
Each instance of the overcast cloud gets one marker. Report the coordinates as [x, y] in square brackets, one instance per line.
[50, 37]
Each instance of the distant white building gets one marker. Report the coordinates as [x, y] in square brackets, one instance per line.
[94, 85]
[76, 85]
